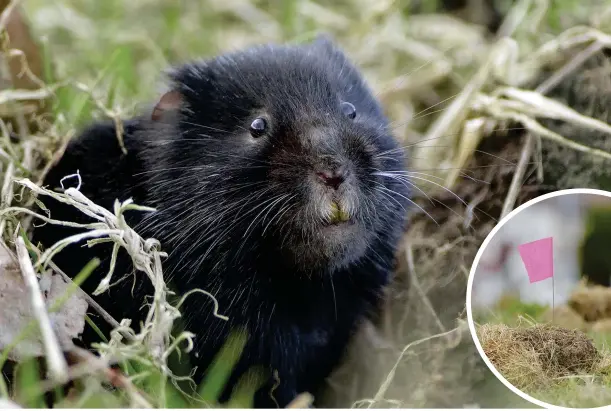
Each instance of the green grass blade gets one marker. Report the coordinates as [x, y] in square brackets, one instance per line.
[222, 366]
[243, 395]
[27, 381]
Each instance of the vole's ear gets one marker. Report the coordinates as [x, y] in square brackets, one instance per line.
[325, 42]
[170, 101]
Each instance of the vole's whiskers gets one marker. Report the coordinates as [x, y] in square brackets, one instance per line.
[213, 200]
[228, 207]
[470, 168]
[216, 223]
[370, 207]
[406, 180]
[219, 168]
[286, 206]
[435, 105]
[270, 204]
[204, 138]
[410, 175]
[256, 160]
[422, 113]
[391, 193]
[424, 140]
[205, 127]
[161, 170]
[221, 236]
[223, 209]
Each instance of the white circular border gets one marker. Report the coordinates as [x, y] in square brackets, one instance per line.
[470, 285]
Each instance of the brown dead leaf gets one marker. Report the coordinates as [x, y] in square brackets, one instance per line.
[16, 309]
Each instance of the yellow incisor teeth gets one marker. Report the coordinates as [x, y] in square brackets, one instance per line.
[338, 214]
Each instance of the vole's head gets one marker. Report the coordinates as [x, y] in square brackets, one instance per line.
[281, 147]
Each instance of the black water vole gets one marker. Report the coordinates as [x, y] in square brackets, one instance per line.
[278, 188]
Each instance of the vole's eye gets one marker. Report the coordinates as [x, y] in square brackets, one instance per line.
[258, 127]
[348, 110]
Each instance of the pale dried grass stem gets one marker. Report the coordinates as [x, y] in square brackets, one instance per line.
[58, 368]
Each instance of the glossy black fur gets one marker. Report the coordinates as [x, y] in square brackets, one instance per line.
[298, 285]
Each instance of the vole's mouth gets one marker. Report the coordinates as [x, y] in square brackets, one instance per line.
[338, 215]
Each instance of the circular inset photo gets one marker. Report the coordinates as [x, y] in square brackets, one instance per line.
[539, 299]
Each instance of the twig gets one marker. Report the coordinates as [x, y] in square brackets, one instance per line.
[92, 303]
[55, 159]
[544, 88]
[115, 116]
[384, 387]
[7, 96]
[416, 284]
[576, 62]
[55, 358]
[7, 192]
[516, 182]
[116, 378]
[25, 68]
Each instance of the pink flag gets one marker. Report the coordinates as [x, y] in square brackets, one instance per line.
[538, 258]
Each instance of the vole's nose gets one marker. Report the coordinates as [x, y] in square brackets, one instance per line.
[332, 177]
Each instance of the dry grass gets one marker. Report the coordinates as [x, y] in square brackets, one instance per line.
[560, 356]
[534, 356]
[457, 97]
[553, 364]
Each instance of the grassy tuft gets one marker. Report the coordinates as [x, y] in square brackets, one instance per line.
[560, 356]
